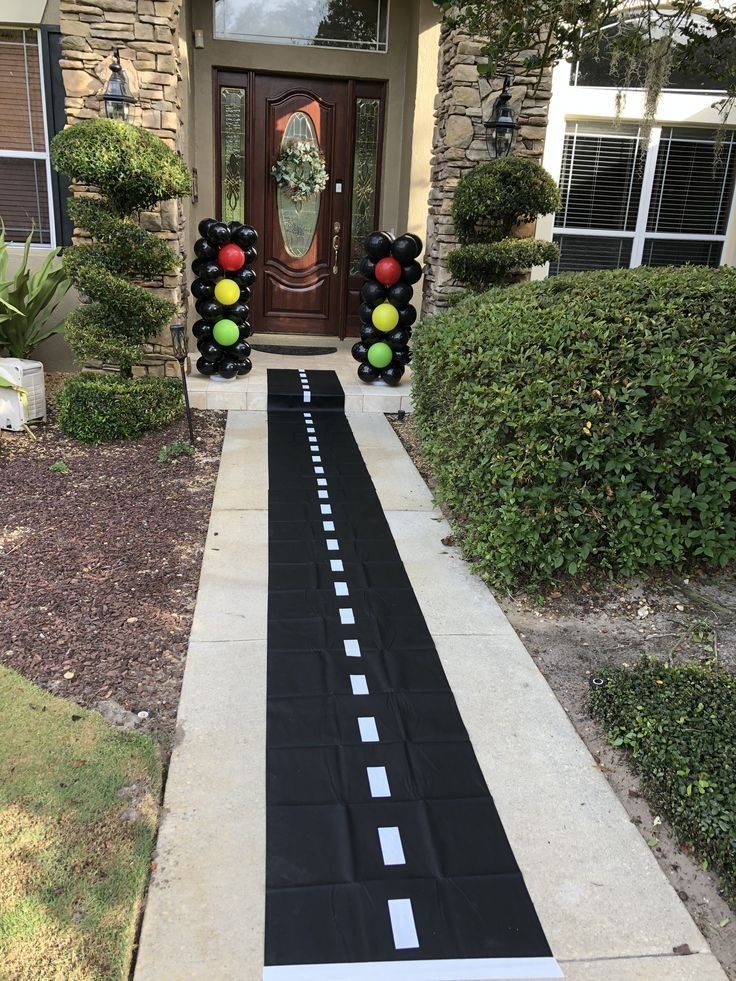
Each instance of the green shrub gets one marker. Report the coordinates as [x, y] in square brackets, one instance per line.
[585, 423]
[130, 166]
[174, 451]
[95, 408]
[494, 197]
[28, 300]
[679, 725]
[483, 264]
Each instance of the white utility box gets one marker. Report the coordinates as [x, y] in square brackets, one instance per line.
[18, 408]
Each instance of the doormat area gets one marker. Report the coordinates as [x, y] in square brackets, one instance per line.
[293, 350]
[386, 857]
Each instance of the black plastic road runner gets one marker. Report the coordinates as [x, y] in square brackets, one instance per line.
[386, 857]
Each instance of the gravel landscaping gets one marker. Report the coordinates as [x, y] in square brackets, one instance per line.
[100, 551]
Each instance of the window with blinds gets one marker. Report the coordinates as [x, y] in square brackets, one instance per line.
[24, 158]
[622, 207]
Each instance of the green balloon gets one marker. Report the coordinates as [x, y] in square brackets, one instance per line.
[226, 332]
[380, 355]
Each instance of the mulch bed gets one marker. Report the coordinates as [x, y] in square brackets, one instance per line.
[99, 566]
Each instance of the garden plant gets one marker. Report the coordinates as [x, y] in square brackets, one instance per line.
[29, 300]
[490, 204]
[587, 423]
[132, 170]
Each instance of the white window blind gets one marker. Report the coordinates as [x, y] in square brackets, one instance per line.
[623, 208]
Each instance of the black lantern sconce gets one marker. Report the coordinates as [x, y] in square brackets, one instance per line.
[117, 97]
[501, 128]
[181, 351]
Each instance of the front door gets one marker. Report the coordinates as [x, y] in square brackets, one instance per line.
[308, 252]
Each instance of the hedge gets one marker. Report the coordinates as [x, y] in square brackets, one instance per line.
[679, 725]
[484, 263]
[585, 423]
[97, 407]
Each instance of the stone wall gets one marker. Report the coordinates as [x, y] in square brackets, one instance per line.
[147, 35]
[464, 100]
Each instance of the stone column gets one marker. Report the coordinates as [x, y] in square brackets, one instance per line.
[464, 100]
[147, 35]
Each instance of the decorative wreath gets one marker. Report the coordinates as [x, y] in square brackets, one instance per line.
[300, 171]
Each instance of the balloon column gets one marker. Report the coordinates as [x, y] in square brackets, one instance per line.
[391, 270]
[222, 291]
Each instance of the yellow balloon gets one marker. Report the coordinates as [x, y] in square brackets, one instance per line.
[385, 317]
[227, 292]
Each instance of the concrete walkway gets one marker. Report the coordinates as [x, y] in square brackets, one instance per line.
[608, 911]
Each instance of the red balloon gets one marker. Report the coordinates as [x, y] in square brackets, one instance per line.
[231, 257]
[388, 271]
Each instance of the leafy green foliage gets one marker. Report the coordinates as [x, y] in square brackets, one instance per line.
[587, 423]
[481, 265]
[494, 197]
[28, 300]
[96, 408]
[174, 451]
[679, 725]
[60, 467]
[131, 167]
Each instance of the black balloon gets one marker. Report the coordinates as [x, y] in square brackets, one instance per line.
[241, 350]
[204, 249]
[359, 351]
[245, 331]
[368, 268]
[365, 312]
[367, 373]
[211, 271]
[407, 316]
[398, 337]
[378, 245]
[370, 334]
[211, 350]
[228, 368]
[373, 294]
[393, 374]
[411, 273]
[201, 329]
[420, 243]
[251, 255]
[400, 295]
[238, 311]
[205, 225]
[405, 249]
[202, 290]
[209, 310]
[245, 236]
[244, 278]
[244, 367]
[402, 355]
[205, 367]
[197, 267]
[218, 234]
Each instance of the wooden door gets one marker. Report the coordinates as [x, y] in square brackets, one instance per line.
[303, 254]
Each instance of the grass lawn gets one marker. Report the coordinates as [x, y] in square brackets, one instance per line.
[78, 805]
[679, 725]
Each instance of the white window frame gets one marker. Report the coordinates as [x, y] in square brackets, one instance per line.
[303, 42]
[37, 154]
[597, 104]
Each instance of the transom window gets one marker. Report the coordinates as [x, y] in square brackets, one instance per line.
[623, 208]
[24, 158]
[353, 24]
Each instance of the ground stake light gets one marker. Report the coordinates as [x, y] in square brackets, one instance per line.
[223, 267]
[391, 271]
[180, 345]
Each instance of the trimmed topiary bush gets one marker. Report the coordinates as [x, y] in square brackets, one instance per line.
[96, 408]
[679, 725]
[587, 423]
[478, 265]
[489, 203]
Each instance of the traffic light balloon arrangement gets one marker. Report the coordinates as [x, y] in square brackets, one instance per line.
[224, 254]
[390, 270]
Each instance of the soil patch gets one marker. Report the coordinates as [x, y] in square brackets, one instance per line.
[576, 631]
[99, 564]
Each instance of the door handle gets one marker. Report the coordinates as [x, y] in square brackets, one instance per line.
[336, 248]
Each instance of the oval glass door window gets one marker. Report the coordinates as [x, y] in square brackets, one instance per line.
[298, 221]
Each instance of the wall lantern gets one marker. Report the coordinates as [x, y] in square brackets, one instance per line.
[180, 344]
[117, 97]
[502, 126]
